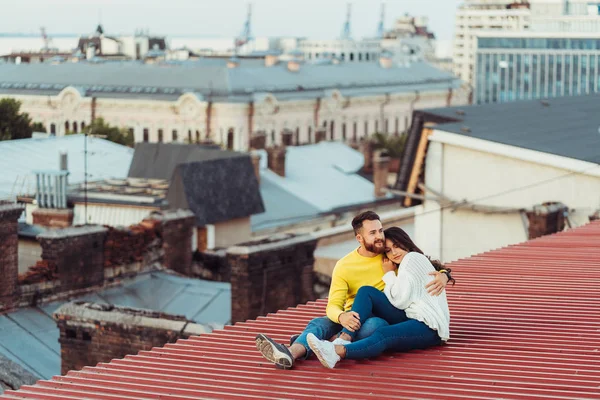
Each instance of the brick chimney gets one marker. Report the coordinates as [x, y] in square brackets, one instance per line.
[258, 140]
[9, 251]
[546, 218]
[276, 160]
[366, 148]
[320, 135]
[92, 333]
[256, 164]
[287, 137]
[381, 167]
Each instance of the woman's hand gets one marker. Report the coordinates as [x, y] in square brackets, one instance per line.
[388, 265]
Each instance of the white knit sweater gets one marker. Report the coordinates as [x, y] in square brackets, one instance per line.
[406, 291]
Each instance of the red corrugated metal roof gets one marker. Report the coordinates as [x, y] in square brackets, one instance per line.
[525, 325]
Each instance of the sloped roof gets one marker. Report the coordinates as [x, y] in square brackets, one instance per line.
[566, 126]
[216, 185]
[319, 177]
[213, 78]
[21, 157]
[525, 324]
[29, 336]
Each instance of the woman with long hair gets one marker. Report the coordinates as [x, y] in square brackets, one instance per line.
[417, 319]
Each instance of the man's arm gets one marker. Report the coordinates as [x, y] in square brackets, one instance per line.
[439, 282]
[338, 293]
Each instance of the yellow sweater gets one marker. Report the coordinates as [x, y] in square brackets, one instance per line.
[350, 274]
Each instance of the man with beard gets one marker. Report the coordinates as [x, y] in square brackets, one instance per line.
[361, 267]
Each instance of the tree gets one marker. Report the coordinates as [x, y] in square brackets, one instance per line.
[102, 129]
[38, 127]
[13, 124]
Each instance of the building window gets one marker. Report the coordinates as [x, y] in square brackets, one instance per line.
[310, 134]
[160, 136]
[230, 137]
[67, 126]
[324, 124]
[386, 125]
[406, 123]
[82, 126]
[366, 132]
[351, 56]
[343, 56]
[344, 131]
[359, 56]
[376, 126]
[174, 135]
[366, 56]
[273, 136]
[75, 127]
[331, 130]
[297, 136]
[355, 132]
[146, 135]
[53, 129]
[198, 136]
[397, 127]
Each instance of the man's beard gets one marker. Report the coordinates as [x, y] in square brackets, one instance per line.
[371, 247]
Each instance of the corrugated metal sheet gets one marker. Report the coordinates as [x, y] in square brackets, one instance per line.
[525, 325]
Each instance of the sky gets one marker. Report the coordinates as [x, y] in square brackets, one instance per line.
[318, 19]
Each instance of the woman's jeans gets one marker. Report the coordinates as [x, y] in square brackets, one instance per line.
[324, 328]
[402, 333]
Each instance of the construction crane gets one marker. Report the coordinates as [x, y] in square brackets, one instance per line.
[346, 29]
[246, 34]
[47, 40]
[381, 25]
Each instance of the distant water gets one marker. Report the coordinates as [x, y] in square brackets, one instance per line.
[9, 44]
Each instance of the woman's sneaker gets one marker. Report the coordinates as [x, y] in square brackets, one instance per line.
[324, 350]
[277, 353]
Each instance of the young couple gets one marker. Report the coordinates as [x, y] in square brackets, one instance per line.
[385, 295]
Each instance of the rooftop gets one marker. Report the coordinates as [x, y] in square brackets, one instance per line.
[213, 79]
[20, 158]
[525, 324]
[29, 336]
[565, 126]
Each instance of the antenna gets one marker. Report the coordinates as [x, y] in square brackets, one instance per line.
[381, 25]
[346, 30]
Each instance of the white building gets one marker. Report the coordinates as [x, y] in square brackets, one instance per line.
[476, 15]
[486, 166]
[227, 101]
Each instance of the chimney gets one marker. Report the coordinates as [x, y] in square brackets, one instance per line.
[546, 218]
[287, 137]
[258, 140]
[320, 135]
[256, 164]
[366, 148]
[9, 255]
[381, 167]
[271, 60]
[276, 160]
[385, 60]
[293, 65]
[90, 52]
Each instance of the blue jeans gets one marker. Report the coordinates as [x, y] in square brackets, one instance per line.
[402, 334]
[324, 328]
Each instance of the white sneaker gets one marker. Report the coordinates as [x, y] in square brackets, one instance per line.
[340, 342]
[324, 350]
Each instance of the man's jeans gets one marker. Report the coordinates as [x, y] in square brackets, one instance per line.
[402, 333]
[324, 328]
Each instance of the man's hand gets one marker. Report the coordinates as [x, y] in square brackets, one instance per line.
[388, 265]
[350, 320]
[437, 285]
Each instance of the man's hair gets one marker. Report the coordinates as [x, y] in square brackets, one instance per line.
[357, 222]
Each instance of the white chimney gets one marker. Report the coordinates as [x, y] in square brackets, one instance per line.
[271, 59]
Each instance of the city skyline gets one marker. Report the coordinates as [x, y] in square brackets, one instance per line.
[204, 18]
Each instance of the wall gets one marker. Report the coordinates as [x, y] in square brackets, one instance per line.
[232, 232]
[93, 333]
[189, 114]
[461, 173]
[270, 275]
[30, 252]
[9, 262]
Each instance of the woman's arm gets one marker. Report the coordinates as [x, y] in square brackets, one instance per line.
[399, 287]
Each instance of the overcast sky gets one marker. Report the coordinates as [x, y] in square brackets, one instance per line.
[222, 18]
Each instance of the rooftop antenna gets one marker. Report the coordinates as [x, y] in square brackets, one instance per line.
[46, 39]
[381, 25]
[346, 30]
[246, 34]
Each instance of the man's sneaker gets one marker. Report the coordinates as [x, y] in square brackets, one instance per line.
[277, 353]
[340, 342]
[324, 350]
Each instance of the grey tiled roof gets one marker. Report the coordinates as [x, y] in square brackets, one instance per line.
[564, 126]
[213, 79]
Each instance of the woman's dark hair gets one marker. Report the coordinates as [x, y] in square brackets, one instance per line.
[402, 240]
